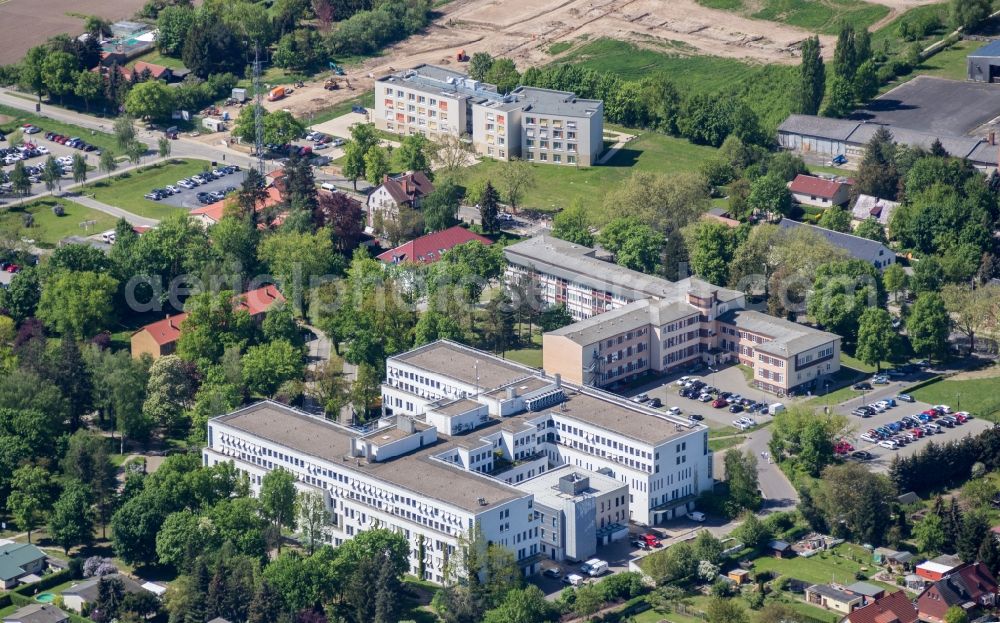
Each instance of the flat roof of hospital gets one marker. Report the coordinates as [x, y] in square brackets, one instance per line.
[416, 471]
[464, 364]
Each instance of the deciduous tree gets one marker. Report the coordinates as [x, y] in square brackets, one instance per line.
[71, 522]
[928, 326]
[876, 337]
[30, 496]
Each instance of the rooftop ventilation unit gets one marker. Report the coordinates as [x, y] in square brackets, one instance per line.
[543, 401]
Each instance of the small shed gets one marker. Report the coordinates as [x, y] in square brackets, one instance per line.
[781, 549]
[739, 577]
[832, 598]
[214, 124]
[240, 95]
[983, 65]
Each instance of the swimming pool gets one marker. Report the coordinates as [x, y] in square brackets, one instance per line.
[45, 598]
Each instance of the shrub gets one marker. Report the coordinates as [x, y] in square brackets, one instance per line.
[58, 210]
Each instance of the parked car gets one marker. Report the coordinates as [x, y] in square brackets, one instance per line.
[865, 386]
[552, 572]
[719, 403]
[705, 398]
[736, 408]
[888, 443]
[861, 455]
[656, 403]
[869, 437]
[640, 398]
[674, 410]
[904, 398]
[696, 516]
[696, 417]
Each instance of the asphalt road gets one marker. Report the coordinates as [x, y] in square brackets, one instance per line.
[778, 492]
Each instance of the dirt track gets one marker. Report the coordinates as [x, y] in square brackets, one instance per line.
[525, 29]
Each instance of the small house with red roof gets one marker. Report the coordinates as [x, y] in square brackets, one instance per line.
[160, 338]
[816, 191]
[406, 190]
[938, 568]
[969, 587]
[892, 608]
[429, 248]
[212, 213]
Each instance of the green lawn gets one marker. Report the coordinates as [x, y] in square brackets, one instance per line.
[126, 191]
[980, 397]
[724, 443]
[49, 229]
[530, 355]
[102, 140]
[821, 16]
[557, 186]
[156, 58]
[770, 90]
[950, 63]
[822, 568]
[366, 99]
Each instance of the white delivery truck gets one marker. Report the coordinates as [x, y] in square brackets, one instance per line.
[776, 408]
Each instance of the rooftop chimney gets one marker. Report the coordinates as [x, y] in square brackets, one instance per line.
[993, 137]
[558, 380]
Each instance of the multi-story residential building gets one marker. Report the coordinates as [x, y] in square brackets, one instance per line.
[630, 323]
[557, 127]
[540, 125]
[516, 423]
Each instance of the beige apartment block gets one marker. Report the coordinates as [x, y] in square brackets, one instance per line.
[539, 125]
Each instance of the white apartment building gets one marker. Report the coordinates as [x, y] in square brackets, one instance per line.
[540, 125]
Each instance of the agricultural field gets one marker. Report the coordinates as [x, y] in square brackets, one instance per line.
[126, 190]
[820, 16]
[556, 187]
[48, 229]
[25, 23]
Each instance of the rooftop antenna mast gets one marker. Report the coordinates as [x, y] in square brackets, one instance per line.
[258, 111]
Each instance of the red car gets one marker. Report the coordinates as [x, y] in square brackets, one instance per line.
[916, 430]
[960, 418]
[718, 403]
[13, 268]
[931, 413]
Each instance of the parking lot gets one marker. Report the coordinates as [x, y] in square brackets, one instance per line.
[883, 456]
[188, 198]
[55, 149]
[728, 379]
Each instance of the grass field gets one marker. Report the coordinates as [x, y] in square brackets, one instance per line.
[769, 90]
[833, 565]
[556, 187]
[101, 140]
[126, 191]
[821, 16]
[980, 397]
[48, 229]
[156, 58]
[367, 100]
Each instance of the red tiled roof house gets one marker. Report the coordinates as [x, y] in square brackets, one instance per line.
[429, 249]
[395, 192]
[893, 608]
[160, 338]
[969, 588]
[816, 191]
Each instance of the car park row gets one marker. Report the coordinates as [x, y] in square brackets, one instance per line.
[910, 428]
[194, 181]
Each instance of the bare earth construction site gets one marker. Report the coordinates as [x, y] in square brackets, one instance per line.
[524, 30]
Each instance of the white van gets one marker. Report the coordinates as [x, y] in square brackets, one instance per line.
[696, 516]
[573, 580]
[776, 408]
[596, 567]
